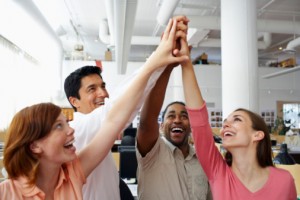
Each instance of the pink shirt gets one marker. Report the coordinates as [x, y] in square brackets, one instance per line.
[224, 184]
[71, 180]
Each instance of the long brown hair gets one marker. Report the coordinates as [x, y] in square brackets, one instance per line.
[29, 124]
[264, 147]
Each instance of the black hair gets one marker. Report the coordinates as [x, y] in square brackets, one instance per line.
[172, 103]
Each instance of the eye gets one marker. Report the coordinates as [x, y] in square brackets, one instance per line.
[237, 119]
[91, 89]
[184, 117]
[171, 116]
[59, 126]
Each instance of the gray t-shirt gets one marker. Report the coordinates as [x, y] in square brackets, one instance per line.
[165, 174]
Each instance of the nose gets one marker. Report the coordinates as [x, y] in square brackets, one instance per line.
[102, 92]
[178, 119]
[225, 124]
[106, 95]
[70, 131]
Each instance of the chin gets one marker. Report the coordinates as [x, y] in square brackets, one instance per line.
[177, 143]
[71, 158]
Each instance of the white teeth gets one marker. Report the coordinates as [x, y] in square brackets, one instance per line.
[177, 129]
[69, 143]
[228, 134]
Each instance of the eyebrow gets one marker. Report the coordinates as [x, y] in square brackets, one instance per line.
[57, 121]
[95, 85]
[184, 112]
[90, 86]
[234, 116]
[181, 112]
[237, 116]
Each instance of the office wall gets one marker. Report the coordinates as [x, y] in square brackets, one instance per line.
[284, 88]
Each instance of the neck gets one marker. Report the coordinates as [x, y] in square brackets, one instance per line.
[47, 179]
[251, 175]
[184, 149]
[245, 164]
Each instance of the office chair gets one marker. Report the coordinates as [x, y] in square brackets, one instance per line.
[128, 162]
[127, 170]
[128, 140]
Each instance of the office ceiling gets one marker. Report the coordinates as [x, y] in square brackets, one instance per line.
[79, 22]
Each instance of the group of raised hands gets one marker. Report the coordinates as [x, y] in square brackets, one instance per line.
[173, 47]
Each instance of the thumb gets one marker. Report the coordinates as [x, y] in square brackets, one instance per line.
[182, 58]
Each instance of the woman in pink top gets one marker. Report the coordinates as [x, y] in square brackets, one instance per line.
[248, 171]
[39, 155]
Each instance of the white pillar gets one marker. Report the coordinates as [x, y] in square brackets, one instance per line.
[239, 55]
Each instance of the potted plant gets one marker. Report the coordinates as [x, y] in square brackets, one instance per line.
[280, 127]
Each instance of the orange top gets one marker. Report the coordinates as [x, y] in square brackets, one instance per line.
[71, 180]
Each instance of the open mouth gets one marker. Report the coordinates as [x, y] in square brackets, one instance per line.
[69, 144]
[177, 130]
[100, 103]
[228, 134]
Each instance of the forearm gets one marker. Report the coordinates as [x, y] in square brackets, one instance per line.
[191, 89]
[150, 84]
[207, 153]
[128, 101]
[148, 130]
[154, 101]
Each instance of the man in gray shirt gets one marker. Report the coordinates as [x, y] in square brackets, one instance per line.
[168, 168]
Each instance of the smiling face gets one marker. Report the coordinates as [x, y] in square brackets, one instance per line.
[244, 129]
[237, 130]
[57, 146]
[176, 125]
[92, 94]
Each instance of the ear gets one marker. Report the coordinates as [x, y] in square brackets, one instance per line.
[258, 135]
[74, 102]
[161, 128]
[35, 148]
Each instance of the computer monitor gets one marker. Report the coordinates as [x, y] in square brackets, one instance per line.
[128, 162]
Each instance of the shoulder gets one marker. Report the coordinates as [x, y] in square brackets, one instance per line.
[6, 184]
[160, 151]
[74, 170]
[280, 174]
[80, 118]
[279, 171]
[9, 190]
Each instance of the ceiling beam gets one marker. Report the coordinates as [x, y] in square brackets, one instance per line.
[286, 71]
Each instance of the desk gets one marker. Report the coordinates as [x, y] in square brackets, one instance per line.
[116, 156]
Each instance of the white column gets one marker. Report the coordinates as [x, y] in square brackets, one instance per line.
[239, 55]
